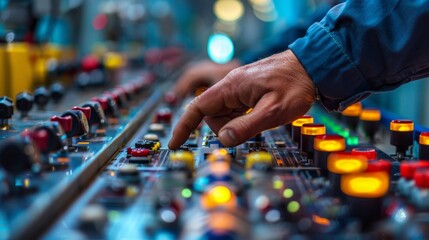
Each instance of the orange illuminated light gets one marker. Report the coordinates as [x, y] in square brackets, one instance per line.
[402, 125]
[219, 168]
[219, 155]
[370, 115]
[63, 160]
[321, 220]
[221, 221]
[219, 195]
[345, 163]
[304, 119]
[329, 143]
[353, 110]
[365, 185]
[424, 138]
[313, 129]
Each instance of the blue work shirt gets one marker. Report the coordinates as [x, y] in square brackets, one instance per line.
[361, 47]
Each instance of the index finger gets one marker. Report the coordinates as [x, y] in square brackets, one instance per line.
[207, 104]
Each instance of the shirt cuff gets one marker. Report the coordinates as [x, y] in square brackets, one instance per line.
[335, 75]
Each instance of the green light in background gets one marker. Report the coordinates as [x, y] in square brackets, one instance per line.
[277, 184]
[336, 128]
[220, 48]
[293, 207]
[352, 141]
[288, 193]
[186, 193]
[344, 133]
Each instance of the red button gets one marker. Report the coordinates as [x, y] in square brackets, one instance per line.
[65, 122]
[40, 138]
[90, 63]
[140, 152]
[369, 153]
[379, 166]
[408, 169]
[421, 178]
[104, 102]
[164, 115]
[85, 110]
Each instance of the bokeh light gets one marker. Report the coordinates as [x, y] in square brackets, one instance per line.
[228, 10]
[220, 48]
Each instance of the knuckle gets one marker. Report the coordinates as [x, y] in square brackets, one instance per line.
[236, 74]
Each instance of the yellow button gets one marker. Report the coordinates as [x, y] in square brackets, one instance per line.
[346, 163]
[402, 125]
[304, 119]
[366, 184]
[313, 129]
[258, 157]
[424, 138]
[329, 143]
[353, 110]
[183, 156]
[370, 115]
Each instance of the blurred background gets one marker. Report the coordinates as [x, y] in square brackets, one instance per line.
[215, 29]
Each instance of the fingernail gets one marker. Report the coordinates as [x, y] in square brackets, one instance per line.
[227, 137]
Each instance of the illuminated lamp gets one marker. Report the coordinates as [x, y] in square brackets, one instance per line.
[221, 221]
[308, 132]
[370, 120]
[351, 115]
[296, 128]
[346, 163]
[343, 163]
[401, 136]
[364, 195]
[365, 185]
[218, 196]
[370, 114]
[323, 146]
[424, 146]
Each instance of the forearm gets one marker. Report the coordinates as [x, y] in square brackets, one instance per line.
[365, 46]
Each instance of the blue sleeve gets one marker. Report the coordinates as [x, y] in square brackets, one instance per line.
[275, 44]
[361, 47]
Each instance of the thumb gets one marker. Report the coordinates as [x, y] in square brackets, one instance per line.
[244, 127]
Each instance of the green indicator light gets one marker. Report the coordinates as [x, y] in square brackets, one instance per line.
[336, 128]
[186, 193]
[353, 141]
[293, 207]
[288, 193]
[277, 184]
[345, 133]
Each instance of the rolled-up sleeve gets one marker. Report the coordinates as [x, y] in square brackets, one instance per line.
[361, 47]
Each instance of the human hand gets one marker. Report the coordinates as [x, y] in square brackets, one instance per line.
[205, 73]
[277, 88]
